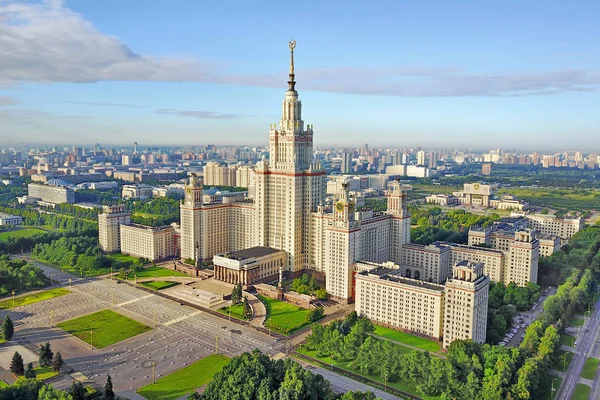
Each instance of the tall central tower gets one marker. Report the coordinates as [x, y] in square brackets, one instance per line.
[290, 185]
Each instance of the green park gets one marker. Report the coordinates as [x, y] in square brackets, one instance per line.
[184, 381]
[235, 311]
[155, 272]
[158, 285]
[19, 232]
[103, 328]
[407, 339]
[33, 298]
[283, 317]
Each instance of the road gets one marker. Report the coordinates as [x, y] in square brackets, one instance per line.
[528, 318]
[587, 346]
[182, 334]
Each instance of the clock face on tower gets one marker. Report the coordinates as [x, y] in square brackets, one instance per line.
[476, 186]
[339, 206]
[188, 190]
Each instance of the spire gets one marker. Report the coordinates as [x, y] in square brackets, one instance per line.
[291, 82]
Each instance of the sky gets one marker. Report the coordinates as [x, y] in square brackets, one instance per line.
[436, 74]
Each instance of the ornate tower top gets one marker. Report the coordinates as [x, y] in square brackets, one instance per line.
[291, 82]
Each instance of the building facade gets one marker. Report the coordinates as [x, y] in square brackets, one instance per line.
[109, 223]
[151, 243]
[54, 191]
[445, 312]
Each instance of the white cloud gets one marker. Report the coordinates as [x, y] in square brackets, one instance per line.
[47, 42]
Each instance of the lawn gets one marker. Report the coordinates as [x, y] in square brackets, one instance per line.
[19, 232]
[589, 368]
[158, 285]
[407, 339]
[582, 392]
[123, 257]
[33, 298]
[108, 326]
[146, 215]
[182, 382]
[155, 272]
[283, 317]
[560, 364]
[43, 373]
[577, 322]
[376, 376]
[3, 384]
[236, 311]
[567, 340]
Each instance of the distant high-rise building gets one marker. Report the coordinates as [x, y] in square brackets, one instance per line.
[134, 147]
[420, 157]
[346, 163]
[433, 156]
[486, 169]
[125, 159]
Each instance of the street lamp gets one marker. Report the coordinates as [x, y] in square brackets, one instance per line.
[153, 365]
[111, 272]
[553, 390]
[91, 340]
[69, 282]
[51, 318]
[216, 344]
[385, 381]
[13, 293]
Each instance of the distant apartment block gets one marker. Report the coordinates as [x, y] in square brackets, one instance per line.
[55, 191]
[564, 228]
[136, 191]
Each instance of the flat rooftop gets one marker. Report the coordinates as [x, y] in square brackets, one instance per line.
[252, 252]
[393, 275]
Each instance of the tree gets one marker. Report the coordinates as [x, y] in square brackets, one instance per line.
[21, 389]
[45, 355]
[358, 395]
[247, 308]
[47, 392]
[77, 391]
[57, 362]
[8, 328]
[321, 294]
[29, 372]
[315, 314]
[122, 274]
[236, 294]
[16, 364]
[108, 389]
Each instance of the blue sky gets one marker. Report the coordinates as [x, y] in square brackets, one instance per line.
[436, 74]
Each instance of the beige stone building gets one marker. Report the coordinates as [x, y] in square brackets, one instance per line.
[288, 212]
[109, 223]
[445, 312]
[564, 228]
[466, 303]
[476, 194]
[249, 266]
[152, 243]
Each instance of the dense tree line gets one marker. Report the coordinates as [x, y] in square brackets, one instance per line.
[80, 253]
[582, 251]
[164, 210]
[503, 304]
[25, 244]
[8, 193]
[19, 276]
[49, 219]
[254, 375]
[435, 225]
[102, 197]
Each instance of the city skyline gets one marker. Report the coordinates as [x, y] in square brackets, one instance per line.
[77, 72]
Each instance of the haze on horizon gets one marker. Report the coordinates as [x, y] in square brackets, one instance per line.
[396, 74]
